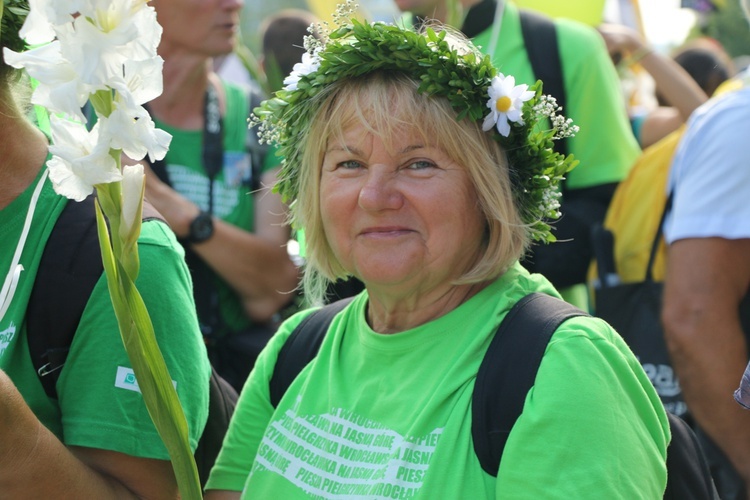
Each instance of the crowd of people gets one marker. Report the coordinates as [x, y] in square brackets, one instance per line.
[414, 172]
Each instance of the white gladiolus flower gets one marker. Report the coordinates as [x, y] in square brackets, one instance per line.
[133, 186]
[142, 79]
[107, 36]
[60, 89]
[80, 160]
[132, 130]
[99, 45]
[104, 52]
[45, 16]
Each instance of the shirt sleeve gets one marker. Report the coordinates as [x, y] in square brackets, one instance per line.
[593, 409]
[251, 416]
[710, 163]
[100, 402]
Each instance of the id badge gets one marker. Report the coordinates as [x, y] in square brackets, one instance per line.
[237, 168]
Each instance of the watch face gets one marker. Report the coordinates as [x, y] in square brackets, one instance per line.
[201, 228]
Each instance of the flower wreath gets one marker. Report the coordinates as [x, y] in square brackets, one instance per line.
[467, 79]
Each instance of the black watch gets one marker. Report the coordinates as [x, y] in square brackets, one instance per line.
[201, 228]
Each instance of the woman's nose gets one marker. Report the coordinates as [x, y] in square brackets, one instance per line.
[380, 190]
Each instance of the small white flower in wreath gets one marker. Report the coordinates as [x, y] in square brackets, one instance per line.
[505, 103]
[310, 64]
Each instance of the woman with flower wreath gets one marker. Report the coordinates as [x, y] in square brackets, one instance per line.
[96, 439]
[413, 165]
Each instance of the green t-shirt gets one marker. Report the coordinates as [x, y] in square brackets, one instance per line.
[389, 416]
[98, 404]
[605, 145]
[233, 201]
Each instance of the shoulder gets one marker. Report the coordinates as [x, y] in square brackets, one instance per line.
[576, 33]
[725, 108]
[718, 127]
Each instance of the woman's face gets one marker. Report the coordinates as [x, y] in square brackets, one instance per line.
[205, 27]
[404, 220]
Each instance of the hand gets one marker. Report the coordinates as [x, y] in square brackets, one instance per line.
[177, 210]
[621, 40]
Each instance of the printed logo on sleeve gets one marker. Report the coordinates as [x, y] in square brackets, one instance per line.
[125, 379]
[5, 337]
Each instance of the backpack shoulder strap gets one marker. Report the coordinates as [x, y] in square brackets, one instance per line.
[67, 273]
[69, 269]
[540, 39]
[508, 370]
[301, 347]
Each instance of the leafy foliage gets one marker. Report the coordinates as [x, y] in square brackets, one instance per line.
[13, 14]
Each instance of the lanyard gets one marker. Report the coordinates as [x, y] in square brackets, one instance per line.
[213, 137]
[14, 273]
[213, 145]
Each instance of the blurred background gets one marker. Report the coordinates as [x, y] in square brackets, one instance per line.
[665, 25]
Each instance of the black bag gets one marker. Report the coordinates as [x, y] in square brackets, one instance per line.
[634, 310]
[506, 374]
[69, 269]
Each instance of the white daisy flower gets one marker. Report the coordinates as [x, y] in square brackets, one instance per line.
[310, 63]
[506, 103]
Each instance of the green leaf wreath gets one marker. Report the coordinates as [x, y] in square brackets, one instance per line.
[465, 78]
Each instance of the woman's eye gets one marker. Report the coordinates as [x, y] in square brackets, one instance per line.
[349, 164]
[420, 165]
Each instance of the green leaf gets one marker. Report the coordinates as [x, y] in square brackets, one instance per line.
[156, 386]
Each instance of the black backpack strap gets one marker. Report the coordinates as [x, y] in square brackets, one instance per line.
[509, 369]
[68, 271]
[540, 37]
[301, 347]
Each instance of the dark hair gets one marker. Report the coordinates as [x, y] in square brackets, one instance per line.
[283, 37]
[706, 66]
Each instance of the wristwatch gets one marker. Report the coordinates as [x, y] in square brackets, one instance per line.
[201, 228]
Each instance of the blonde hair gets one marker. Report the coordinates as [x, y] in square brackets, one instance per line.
[385, 103]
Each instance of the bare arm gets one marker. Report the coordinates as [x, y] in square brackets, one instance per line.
[35, 464]
[706, 280]
[672, 81]
[256, 265]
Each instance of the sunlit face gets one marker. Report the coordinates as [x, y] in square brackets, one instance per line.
[401, 218]
[204, 27]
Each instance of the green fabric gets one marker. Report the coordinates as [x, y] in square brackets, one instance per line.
[605, 145]
[389, 416]
[94, 411]
[233, 201]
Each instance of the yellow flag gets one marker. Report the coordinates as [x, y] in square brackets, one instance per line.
[322, 8]
[586, 11]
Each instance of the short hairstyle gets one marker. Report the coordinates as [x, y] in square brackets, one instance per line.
[706, 61]
[385, 103]
[283, 37]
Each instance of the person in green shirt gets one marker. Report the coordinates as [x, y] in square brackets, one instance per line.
[96, 440]
[414, 167]
[605, 144]
[217, 196]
